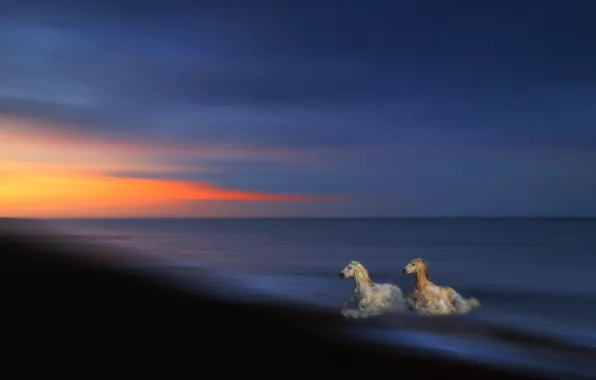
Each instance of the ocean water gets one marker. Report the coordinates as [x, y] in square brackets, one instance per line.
[537, 276]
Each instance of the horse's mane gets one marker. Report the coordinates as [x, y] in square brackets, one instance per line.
[426, 270]
[364, 271]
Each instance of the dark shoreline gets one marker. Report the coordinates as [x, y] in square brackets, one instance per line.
[63, 316]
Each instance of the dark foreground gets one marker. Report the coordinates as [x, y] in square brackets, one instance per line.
[63, 316]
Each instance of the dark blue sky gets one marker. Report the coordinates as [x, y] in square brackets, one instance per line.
[412, 108]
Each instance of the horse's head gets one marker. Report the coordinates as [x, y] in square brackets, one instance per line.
[350, 269]
[417, 266]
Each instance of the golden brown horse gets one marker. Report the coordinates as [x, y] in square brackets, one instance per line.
[428, 298]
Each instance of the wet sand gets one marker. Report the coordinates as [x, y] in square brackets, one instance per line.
[64, 314]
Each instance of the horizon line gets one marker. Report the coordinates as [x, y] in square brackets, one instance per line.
[300, 217]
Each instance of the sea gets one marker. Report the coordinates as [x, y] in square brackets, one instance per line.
[535, 278]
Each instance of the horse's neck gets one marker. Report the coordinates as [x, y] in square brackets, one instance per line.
[421, 282]
[361, 282]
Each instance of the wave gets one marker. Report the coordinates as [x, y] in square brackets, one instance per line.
[466, 337]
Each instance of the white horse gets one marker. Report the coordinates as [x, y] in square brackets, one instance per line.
[371, 298]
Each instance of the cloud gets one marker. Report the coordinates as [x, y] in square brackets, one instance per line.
[67, 194]
[45, 174]
[55, 191]
[236, 73]
[35, 140]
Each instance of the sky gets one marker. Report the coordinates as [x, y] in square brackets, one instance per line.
[297, 108]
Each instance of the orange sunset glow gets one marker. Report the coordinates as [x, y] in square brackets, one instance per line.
[52, 175]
